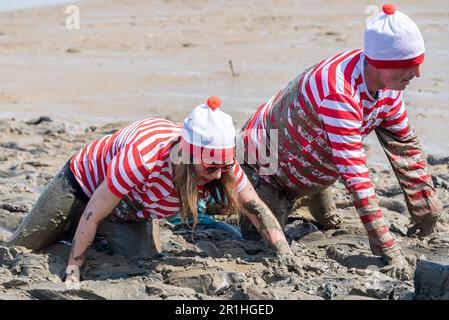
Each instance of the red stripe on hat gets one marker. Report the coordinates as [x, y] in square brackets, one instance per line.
[395, 64]
[215, 155]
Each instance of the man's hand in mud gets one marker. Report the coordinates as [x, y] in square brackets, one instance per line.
[72, 274]
[330, 221]
[398, 267]
[403, 273]
[424, 227]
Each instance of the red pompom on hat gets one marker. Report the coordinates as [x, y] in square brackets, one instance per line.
[209, 133]
[388, 9]
[214, 102]
[393, 40]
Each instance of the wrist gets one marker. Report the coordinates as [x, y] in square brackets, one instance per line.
[72, 270]
[283, 248]
[73, 262]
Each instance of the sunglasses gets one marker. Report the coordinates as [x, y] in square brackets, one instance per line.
[211, 168]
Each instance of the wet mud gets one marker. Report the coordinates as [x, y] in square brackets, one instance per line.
[208, 263]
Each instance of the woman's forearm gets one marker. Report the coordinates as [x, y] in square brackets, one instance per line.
[84, 236]
[267, 225]
[98, 208]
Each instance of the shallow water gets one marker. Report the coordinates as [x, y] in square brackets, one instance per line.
[8, 5]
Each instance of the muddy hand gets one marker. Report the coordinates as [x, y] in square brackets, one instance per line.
[403, 273]
[72, 274]
[397, 266]
[426, 226]
[331, 221]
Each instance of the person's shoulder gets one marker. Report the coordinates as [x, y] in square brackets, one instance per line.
[153, 136]
[342, 56]
[156, 128]
[337, 61]
[155, 122]
[347, 58]
[339, 72]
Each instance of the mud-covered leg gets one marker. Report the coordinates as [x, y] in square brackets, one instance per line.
[323, 209]
[51, 216]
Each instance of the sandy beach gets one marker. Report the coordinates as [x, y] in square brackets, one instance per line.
[134, 58]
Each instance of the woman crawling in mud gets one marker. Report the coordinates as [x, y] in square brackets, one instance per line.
[152, 169]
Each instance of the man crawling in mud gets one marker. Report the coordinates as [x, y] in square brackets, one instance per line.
[322, 117]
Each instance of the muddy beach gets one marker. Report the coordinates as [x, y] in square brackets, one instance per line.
[205, 263]
[131, 59]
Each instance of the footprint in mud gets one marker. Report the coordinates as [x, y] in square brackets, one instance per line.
[12, 145]
[358, 261]
[5, 174]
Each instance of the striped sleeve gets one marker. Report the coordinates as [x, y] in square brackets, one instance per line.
[126, 171]
[402, 147]
[342, 118]
[240, 178]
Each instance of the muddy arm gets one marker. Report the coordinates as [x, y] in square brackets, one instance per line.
[408, 162]
[263, 219]
[101, 204]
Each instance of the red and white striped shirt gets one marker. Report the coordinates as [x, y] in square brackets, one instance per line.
[135, 161]
[322, 117]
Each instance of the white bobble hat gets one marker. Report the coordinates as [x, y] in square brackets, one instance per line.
[208, 133]
[393, 40]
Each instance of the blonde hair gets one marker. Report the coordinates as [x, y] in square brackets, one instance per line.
[222, 191]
